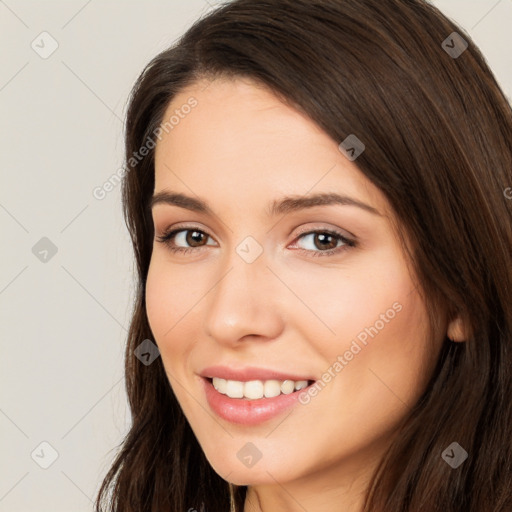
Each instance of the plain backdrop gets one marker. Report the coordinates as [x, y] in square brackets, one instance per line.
[67, 269]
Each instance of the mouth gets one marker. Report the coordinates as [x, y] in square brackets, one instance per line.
[257, 389]
[230, 402]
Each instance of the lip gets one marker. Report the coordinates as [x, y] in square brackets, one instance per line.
[250, 373]
[249, 412]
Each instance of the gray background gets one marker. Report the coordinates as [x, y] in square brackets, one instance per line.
[64, 317]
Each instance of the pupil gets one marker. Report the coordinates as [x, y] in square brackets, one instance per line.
[192, 237]
[323, 238]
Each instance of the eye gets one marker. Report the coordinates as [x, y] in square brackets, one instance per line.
[195, 237]
[320, 238]
[324, 239]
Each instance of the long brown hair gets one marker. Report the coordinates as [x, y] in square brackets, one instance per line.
[438, 136]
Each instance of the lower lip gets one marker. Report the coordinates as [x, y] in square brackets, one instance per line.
[248, 412]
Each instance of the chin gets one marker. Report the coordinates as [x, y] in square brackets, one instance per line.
[262, 472]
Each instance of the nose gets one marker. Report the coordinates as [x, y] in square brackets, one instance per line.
[244, 304]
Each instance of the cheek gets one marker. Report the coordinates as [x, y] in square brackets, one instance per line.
[373, 317]
[167, 303]
[345, 303]
[385, 359]
[158, 303]
[371, 385]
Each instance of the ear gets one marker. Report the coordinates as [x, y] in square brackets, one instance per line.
[457, 330]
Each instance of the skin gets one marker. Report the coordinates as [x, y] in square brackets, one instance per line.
[238, 149]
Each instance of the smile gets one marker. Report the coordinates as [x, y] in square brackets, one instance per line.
[245, 410]
[255, 389]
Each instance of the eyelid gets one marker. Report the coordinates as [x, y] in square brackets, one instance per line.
[322, 226]
[184, 227]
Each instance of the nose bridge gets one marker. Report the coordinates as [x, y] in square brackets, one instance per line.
[241, 302]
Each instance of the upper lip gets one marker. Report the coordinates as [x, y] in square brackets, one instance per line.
[250, 373]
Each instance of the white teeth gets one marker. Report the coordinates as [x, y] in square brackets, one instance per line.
[220, 385]
[255, 389]
[301, 384]
[234, 389]
[272, 388]
[287, 387]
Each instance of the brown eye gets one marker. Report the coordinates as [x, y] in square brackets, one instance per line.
[192, 237]
[326, 242]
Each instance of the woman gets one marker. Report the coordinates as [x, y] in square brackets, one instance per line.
[316, 195]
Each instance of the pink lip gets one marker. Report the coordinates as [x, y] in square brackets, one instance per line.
[250, 373]
[248, 412]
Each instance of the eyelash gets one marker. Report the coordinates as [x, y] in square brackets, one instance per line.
[168, 235]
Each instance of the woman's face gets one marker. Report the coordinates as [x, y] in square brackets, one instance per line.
[262, 299]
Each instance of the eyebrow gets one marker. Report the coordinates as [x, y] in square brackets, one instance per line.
[282, 206]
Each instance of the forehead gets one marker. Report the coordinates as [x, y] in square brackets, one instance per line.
[242, 138]
[233, 108]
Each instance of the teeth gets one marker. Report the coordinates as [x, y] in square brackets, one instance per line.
[255, 389]
[272, 388]
[301, 384]
[234, 389]
[287, 387]
[252, 389]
